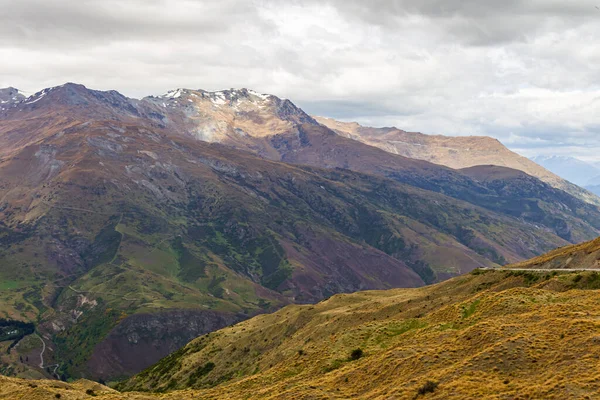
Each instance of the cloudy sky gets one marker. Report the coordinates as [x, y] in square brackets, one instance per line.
[524, 71]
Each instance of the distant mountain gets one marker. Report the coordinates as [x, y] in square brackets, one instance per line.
[586, 175]
[454, 152]
[593, 188]
[593, 184]
[278, 130]
[574, 170]
[129, 227]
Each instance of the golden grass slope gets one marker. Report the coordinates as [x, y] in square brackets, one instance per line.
[579, 256]
[486, 335]
[490, 334]
[13, 388]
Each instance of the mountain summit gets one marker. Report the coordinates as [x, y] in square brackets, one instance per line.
[10, 96]
[228, 115]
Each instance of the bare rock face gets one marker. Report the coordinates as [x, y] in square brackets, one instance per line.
[235, 116]
[10, 96]
[142, 339]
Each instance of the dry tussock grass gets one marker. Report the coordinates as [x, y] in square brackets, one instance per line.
[491, 335]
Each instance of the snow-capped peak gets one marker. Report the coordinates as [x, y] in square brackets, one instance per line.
[9, 97]
[219, 97]
[261, 95]
[174, 94]
[235, 96]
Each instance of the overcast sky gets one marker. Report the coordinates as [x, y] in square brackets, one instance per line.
[526, 72]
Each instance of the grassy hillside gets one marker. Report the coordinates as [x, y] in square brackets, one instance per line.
[487, 335]
[584, 255]
[484, 335]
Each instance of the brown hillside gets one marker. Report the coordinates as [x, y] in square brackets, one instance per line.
[454, 152]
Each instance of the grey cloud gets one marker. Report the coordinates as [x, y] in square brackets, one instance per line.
[524, 71]
[69, 24]
[474, 22]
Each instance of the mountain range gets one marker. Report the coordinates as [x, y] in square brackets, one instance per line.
[465, 151]
[130, 227]
[582, 173]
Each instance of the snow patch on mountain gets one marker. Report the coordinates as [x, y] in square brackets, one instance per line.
[37, 97]
[9, 97]
[174, 94]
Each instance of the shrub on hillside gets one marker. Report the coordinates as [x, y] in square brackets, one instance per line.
[428, 387]
[356, 354]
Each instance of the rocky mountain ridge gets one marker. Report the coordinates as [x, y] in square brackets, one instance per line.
[10, 96]
[455, 152]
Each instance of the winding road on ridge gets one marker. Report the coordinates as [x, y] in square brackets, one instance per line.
[542, 269]
[42, 366]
